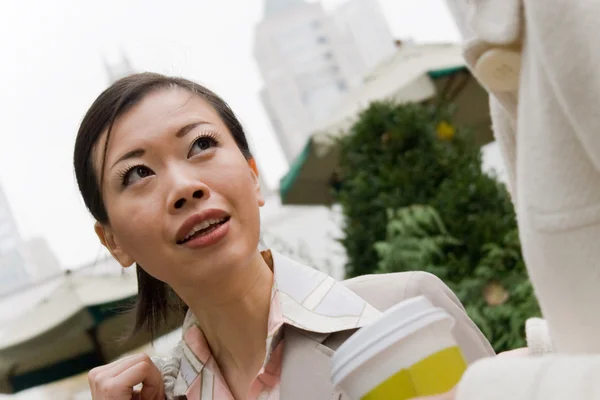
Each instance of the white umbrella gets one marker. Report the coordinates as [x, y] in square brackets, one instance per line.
[80, 320]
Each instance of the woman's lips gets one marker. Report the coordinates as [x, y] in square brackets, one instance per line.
[210, 237]
[196, 221]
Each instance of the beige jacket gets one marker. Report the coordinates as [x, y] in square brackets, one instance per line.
[320, 314]
[308, 360]
[540, 63]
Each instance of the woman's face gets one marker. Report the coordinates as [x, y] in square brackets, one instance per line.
[182, 200]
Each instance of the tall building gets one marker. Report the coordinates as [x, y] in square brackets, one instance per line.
[308, 234]
[22, 261]
[363, 26]
[39, 260]
[12, 263]
[117, 68]
[9, 234]
[309, 59]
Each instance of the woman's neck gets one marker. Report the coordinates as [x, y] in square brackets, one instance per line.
[234, 317]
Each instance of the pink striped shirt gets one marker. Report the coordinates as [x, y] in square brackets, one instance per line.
[302, 297]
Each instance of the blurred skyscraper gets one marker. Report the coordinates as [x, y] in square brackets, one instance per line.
[21, 261]
[309, 59]
[363, 26]
[9, 234]
[12, 264]
[117, 68]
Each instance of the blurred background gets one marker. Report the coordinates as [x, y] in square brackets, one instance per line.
[329, 92]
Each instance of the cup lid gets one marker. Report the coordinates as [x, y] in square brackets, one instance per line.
[393, 325]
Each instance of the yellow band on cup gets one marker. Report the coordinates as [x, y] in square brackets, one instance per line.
[435, 374]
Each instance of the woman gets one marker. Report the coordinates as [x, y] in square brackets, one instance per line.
[165, 169]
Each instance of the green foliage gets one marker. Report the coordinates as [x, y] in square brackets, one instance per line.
[416, 235]
[414, 197]
[503, 266]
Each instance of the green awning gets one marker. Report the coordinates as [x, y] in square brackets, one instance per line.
[308, 181]
[440, 73]
[287, 182]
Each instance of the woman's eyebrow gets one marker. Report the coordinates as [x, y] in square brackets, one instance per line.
[181, 132]
[186, 128]
[130, 154]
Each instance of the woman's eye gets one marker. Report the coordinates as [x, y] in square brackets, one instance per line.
[202, 144]
[135, 174]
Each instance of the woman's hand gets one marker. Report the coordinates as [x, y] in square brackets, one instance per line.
[522, 352]
[115, 381]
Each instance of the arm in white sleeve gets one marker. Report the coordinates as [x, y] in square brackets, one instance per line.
[561, 35]
[486, 26]
[554, 377]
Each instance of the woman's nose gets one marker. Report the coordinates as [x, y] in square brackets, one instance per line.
[179, 203]
[186, 192]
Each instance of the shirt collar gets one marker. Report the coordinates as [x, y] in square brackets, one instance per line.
[314, 301]
[305, 298]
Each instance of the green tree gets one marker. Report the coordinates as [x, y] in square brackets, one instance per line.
[464, 228]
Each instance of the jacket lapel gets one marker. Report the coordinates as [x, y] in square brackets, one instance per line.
[306, 367]
[319, 314]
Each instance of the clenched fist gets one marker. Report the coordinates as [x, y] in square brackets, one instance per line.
[115, 381]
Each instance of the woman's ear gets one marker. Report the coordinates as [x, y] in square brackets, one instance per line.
[108, 240]
[254, 172]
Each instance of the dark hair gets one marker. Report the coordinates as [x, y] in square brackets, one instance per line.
[155, 300]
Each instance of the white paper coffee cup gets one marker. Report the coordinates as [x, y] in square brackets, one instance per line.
[407, 352]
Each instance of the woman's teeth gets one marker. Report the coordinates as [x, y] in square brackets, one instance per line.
[204, 226]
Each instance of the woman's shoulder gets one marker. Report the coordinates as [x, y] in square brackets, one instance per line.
[385, 290]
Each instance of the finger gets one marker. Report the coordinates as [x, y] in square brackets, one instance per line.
[121, 386]
[144, 372]
[119, 366]
[97, 377]
[153, 387]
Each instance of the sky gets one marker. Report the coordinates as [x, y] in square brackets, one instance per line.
[51, 54]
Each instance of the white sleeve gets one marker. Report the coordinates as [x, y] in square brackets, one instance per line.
[552, 377]
[562, 34]
[539, 341]
[485, 26]
[169, 369]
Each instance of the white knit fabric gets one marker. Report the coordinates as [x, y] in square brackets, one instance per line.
[539, 341]
[169, 367]
[497, 22]
[547, 130]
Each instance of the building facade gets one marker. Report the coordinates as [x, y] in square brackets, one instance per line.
[309, 59]
[363, 27]
[22, 261]
[39, 260]
[12, 264]
[9, 234]
[117, 67]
